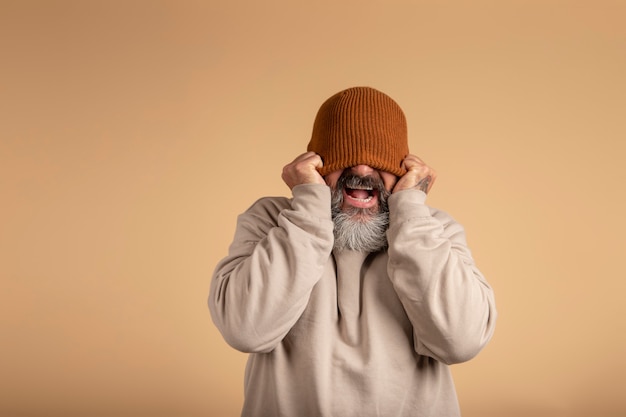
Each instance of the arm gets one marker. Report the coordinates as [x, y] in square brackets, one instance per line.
[280, 249]
[448, 301]
[278, 254]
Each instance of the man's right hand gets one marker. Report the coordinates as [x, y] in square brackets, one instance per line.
[303, 170]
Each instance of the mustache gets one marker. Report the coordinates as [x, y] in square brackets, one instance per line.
[349, 180]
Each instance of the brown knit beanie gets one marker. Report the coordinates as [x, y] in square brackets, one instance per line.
[360, 126]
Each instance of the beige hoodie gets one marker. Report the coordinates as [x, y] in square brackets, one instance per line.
[343, 333]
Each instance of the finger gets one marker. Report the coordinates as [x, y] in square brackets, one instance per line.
[303, 170]
[310, 158]
[412, 161]
[316, 161]
[303, 157]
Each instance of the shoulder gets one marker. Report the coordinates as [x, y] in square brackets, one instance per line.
[270, 205]
[442, 216]
[451, 227]
[267, 208]
[260, 217]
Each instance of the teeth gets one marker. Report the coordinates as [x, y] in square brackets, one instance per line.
[364, 200]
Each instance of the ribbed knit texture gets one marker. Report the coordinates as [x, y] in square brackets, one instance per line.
[360, 126]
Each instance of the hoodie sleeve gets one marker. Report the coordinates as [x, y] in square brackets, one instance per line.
[260, 289]
[448, 301]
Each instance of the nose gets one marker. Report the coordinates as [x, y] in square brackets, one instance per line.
[362, 170]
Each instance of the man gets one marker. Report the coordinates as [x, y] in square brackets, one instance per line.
[352, 297]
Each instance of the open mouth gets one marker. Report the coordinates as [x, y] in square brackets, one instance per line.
[360, 196]
[361, 193]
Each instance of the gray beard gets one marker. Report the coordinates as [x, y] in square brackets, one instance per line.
[359, 229]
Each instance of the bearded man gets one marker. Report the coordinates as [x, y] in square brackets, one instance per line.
[353, 296]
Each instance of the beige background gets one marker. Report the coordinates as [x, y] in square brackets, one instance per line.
[134, 132]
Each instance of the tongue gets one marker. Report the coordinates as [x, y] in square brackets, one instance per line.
[360, 194]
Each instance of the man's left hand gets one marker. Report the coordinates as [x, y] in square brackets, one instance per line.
[418, 175]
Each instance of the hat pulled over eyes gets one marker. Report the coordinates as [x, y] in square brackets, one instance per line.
[360, 126]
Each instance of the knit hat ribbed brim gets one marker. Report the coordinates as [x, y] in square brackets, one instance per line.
[360, 126]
